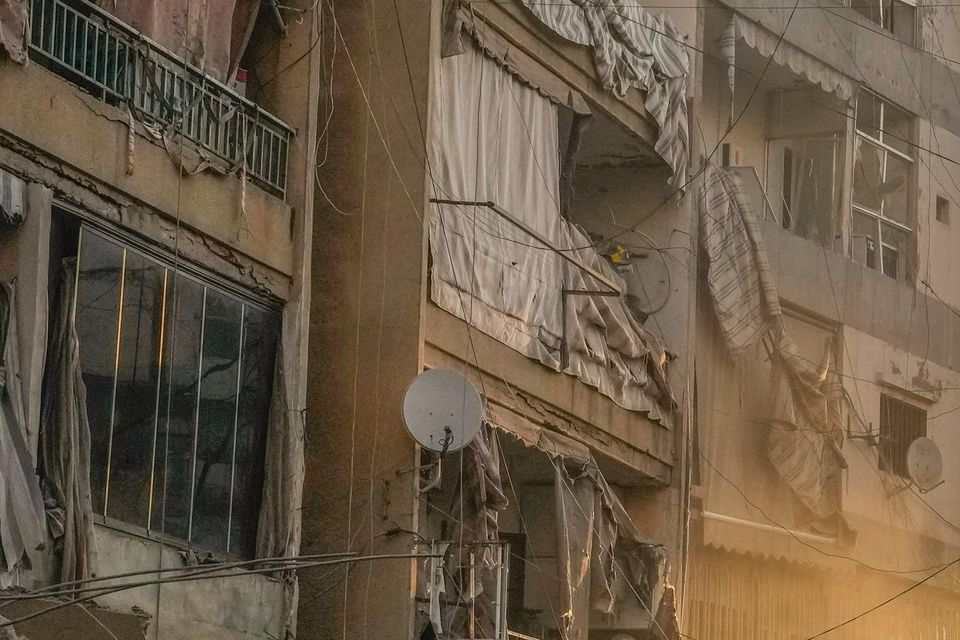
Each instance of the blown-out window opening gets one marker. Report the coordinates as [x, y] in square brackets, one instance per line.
[178, 374]
[883, 176]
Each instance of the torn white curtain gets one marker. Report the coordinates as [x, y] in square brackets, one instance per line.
[21, 503]
[768, 44]
[632, 48]
[602, 559]
[65, 437]
[738, 275]
[13, 21]
[279, 527]
[496, 139]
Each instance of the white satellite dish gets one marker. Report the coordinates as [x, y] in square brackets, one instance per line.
[924, 463]
[442, 410]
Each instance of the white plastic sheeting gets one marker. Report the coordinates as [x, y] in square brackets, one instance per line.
[632, 48]
[496, 139]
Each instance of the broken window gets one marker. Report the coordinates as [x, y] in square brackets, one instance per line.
[804, 156]
[899, 17]
[900, 425]
[178, 374]
[882, 184]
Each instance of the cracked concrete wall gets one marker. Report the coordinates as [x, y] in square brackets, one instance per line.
[88, 145]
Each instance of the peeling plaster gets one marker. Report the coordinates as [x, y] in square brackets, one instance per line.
[100, 200]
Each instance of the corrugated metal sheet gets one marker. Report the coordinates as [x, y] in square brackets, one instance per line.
[734, 597]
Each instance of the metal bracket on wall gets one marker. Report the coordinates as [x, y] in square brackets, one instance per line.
[610, 288]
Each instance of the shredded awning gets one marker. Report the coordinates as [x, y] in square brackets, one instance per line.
[632, 49]
[603, 559]
[768, 44]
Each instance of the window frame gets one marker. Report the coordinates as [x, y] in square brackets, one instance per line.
[881, 7]
[878, 217]
[896, 464]
[175, 267]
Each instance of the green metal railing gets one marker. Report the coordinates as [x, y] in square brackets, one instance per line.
[91, 48]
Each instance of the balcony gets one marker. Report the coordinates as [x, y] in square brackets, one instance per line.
[92, 49]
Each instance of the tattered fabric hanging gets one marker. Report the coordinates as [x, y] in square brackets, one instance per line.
[602, 559]
[65, 439]
[805, 431]
[632, 48]
[21, 503]
[13, 35]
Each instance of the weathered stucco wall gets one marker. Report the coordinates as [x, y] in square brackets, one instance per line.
[245, 607]
[366, 331]
[92, 137]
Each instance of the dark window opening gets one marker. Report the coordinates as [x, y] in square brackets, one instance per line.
[896, 16]
[179, 375]
[900, 425]
[943, 210]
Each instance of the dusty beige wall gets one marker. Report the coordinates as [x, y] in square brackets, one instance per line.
[368, 270]
[92, 137]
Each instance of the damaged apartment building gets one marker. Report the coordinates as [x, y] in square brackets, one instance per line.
[689, 266]
[156, 202]
[824, 484]
[696, 258]
[482, 171]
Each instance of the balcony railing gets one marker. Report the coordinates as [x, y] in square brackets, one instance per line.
[93, 49]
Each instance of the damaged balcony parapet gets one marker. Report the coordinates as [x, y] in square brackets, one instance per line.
[94, 50]
[86, 621]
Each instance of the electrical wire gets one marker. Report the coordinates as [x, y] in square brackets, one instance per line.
[885, 602]
[292, 566]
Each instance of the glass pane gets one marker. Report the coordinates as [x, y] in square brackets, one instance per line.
[898, 129]
[868, 111]
[261, 332]
[178, 397]
[98, 301]
[894, 252]
[867, 175]
[894, 189]
[865, 247]
[128, 491]
[215, 431]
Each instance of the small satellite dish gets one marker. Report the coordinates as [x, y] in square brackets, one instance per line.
[442, 410]
[924, 463]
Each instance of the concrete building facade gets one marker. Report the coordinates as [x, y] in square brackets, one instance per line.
[157, 207]
[694, 260]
